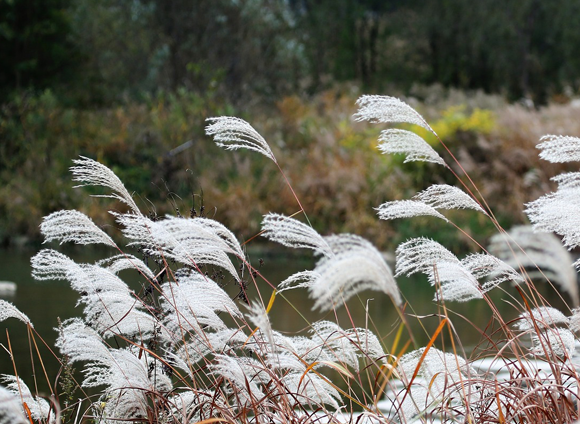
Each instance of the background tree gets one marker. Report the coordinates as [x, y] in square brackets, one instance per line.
[35, 44]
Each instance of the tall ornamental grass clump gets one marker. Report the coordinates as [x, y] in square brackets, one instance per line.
[184, 350]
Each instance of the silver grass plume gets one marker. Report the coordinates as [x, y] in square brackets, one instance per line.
[544, 317]
[235, 133]
[421, 255]
[367, 343]
[386, 109]
[48, 264]
[8, 310]
[346, 346]
[81, 343]
[93, 173]
[556, 341]
[559, 148]
[199, 346]
[11, 408]
[194, 403]
[73, 226]
[39, 408]
[293, 233]
[554, 336]
[458, 278]
[242, 374]
[416, 149]
[540, 250]
[302, 279]
[457, 283]
[335, 342]
[311, 389]
[128, 375]
[118, 263]
[259, 317]
[443, 196]
[308, 349]
[109, 303]
[130, 381]
[483, 265]
[290, 360]
[406, 209]
[567, 180]
[355, 266]
[118, 313]
[189, 241]
[575, 320]
[193, 302]
[557, 212]
[441, 377]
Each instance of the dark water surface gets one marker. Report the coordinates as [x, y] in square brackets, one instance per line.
[46, 301]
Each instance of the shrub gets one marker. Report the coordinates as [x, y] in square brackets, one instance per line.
[182, 349]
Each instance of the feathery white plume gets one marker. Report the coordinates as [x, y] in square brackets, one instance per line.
[39, 408]
[557, 212]
[356, 265]
[110, 305]
[386, 109]
[241, 372]
[118, 313]
[92, 279]
[544, 317]
[198, 346]
[118, 263]
[406, 209]
[190, 241]
[457, 283]
[49, 264]
[367, 343]
[223, 233]
[416, 149]
[193, 302]
[311, 390]
[559, 148]
[443, 196]
[483, 265]
[8, 310]
[201, 404]
[567, 180]
[542, 250]
[575, 320]
[335, 342]
[235, 133]
[81, 343]
[74, 226]
[553, 341]
[293, 233]
[420, 255]
[11, 408]
[130, 382]
[554, 336]
[91, 172]
[259, 317]
[440, 376]
[300, 279]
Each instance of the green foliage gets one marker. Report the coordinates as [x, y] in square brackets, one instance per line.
[37, 50]
[40, 135]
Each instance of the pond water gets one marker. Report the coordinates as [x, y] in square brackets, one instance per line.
[45, 302]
